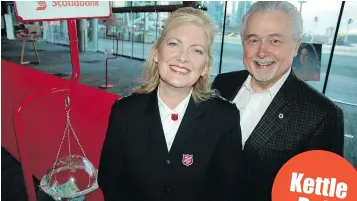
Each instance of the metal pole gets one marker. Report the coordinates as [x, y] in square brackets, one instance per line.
[106, 85]
[333, 47]
[145, 24]
[223, 32]
[132, 35]
[73, 42]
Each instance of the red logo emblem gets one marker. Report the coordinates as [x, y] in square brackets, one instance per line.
[187, 159]
[41, 5]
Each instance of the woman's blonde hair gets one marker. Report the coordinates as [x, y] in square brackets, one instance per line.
[180, 17]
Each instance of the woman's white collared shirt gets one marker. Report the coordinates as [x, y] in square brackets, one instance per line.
[170, 126]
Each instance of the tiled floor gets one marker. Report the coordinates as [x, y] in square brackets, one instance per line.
[124, 74]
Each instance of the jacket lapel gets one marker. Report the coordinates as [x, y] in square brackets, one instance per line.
[156, 136]
[234, 85]
[276, 115]
[189, 126]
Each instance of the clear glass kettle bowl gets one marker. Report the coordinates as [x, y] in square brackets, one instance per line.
[70, 176]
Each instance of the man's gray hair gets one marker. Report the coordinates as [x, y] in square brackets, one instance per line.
[272, 6]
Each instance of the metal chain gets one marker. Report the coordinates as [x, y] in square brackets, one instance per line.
[67, 130]
[69, 138]
[74, 134]
[68, 125]
[59, 150]
[79, 144]
[67, 104]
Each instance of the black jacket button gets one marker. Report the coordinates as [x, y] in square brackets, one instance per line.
[167, 190]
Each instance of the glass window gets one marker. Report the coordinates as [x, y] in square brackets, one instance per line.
[155, 23]
[56, 32]
[319, 28]
[137, 33]
[140, 21]
[215, 9]
[168, 2]
[342, 80]
[233, 49]
[119, 4]
[143, 3]
[343, 73]
[107, 44]
[126, 33]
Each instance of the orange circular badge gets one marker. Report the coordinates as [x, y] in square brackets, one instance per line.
[316, 176]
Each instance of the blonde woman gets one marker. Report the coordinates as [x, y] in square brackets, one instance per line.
[174, 139]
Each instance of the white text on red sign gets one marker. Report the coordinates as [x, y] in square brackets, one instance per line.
[327, 187]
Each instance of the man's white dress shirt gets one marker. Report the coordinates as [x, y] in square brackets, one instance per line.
[252, 105]
[169, 126]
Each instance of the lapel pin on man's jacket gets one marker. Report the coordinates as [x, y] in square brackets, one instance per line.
[281, 116]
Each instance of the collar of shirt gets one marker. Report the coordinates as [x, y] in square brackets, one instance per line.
[165, 111]
[272, 90]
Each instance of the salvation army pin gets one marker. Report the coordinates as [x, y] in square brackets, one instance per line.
[187, 159]
[174, 117]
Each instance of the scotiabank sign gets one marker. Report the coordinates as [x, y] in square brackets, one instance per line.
[58, 10]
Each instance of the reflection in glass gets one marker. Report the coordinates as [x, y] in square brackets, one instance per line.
[307, 63]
